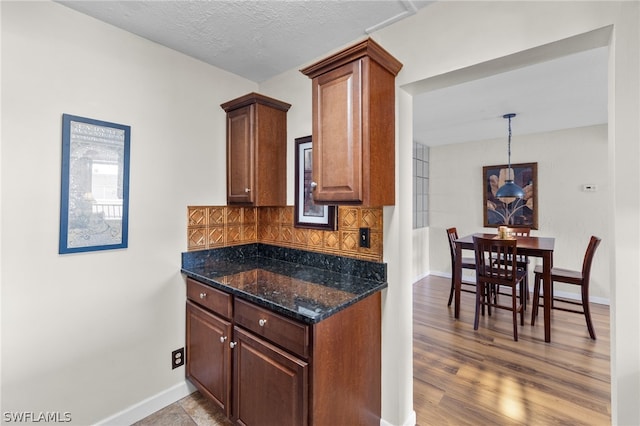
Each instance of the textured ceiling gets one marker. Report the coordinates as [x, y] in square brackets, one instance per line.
[260, 39]
[254, 39]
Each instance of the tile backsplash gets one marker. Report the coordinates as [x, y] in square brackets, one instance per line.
[221, 226]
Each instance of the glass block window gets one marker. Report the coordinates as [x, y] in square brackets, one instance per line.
[420, 185]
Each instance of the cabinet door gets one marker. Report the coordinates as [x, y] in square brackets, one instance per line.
[209, 355]
[337, 134]
[270, 384]
[240, 155]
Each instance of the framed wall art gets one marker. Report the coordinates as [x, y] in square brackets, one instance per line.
[94, 201]
[512, 212]
[307, 213]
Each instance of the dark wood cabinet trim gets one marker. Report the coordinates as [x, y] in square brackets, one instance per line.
[367, 47]
[254, 98]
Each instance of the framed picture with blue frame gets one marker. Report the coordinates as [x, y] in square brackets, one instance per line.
[94, 200]
[513, 212]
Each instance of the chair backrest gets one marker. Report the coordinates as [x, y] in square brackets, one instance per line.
[452, 233]
[594, 242]
[518, 232]
[487, 269]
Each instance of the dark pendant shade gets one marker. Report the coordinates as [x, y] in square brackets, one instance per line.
[510, 190]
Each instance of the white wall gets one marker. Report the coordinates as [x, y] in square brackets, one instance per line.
[295, 88]
[92, 333]
[566, 160]
[421, 263]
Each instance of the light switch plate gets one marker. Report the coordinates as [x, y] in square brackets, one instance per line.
[365, 238]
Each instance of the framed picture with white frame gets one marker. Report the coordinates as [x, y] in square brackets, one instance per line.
[308, 214]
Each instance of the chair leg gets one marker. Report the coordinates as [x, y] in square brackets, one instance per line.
[587, 312]
[479, 294]
[536, 298]
[525, 291]
[514, 309]
[453, 280]
[521, 305]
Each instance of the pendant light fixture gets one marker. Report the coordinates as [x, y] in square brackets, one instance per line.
[509, 189]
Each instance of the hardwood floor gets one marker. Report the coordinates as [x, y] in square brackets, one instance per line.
[462, 376]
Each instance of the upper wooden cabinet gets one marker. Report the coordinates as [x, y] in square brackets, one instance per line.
[354, 126]
[256, 150]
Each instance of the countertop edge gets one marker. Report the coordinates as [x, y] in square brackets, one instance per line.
[279, 308]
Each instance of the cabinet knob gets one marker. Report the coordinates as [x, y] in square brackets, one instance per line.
[203, 295]
[223, 338]
[232, 344]
[313, 185]
[247, 190]
[262, 322]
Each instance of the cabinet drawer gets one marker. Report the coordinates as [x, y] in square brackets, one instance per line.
[282, 331]
[210, 298]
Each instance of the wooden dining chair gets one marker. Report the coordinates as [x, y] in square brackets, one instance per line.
[568, 276]
[466, 262]
[522, 262]
[490, 274]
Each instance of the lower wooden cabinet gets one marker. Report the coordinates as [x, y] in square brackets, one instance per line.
[209, 355]
[270, 384]
[263, 368]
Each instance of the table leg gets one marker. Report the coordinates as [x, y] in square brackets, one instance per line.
[546, 288]
[457, 280]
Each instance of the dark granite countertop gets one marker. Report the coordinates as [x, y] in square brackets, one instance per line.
[306, 286]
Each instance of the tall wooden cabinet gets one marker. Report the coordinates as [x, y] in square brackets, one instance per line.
[256, 150]
[354, 126]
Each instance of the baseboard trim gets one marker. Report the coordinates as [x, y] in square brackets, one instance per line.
[419, 277]
[439, 274]
[150, 405]
[411, 421]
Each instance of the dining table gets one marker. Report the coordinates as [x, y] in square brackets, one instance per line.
[541, 247]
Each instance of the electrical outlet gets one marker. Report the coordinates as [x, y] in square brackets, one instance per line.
[364, 238]
[177, 358]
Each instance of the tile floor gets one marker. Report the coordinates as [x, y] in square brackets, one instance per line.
[192, 410]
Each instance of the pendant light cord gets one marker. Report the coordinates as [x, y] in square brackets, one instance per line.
[509, 150]
[509, 116]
